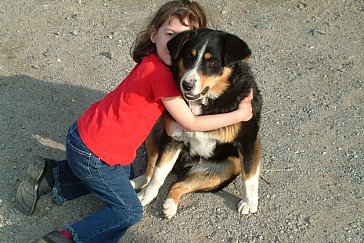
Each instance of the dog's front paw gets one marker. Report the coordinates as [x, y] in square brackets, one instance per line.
[139, 182]
[169, 208]
[146, 196]
[247, 207]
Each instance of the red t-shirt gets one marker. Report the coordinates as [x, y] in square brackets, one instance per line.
[114, 127]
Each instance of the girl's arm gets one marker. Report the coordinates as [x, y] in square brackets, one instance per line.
[179, 110]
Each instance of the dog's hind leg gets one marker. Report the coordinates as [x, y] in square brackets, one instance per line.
[152, 153]
[167, 160]
[250, 173]
[212, 177]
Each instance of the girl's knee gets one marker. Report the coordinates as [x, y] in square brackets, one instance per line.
[138, 215]
[130, 215]
[138, 212]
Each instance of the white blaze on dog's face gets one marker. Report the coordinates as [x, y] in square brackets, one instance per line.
[191, 82]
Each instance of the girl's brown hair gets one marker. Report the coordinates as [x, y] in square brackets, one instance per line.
[186, 11]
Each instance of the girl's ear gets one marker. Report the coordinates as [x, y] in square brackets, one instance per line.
[176, 43]
[153, 35]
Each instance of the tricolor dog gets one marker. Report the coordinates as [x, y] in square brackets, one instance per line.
[211, 70]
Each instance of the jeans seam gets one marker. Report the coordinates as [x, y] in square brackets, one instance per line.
[74, 135]
[115, 225]
[82, 153]
[106, 229]
[74, 148]
[115, 194]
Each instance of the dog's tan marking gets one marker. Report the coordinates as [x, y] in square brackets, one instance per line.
[168, 124]
[207, 55]
[217, 84]
[153, 153]
[161, 171]
[194, 52]
[251, 165]
[226, 134]
[199, 181]
[194, 182]
[168, 155]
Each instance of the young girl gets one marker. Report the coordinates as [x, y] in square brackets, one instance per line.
[102, 143]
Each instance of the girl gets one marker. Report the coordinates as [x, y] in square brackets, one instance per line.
[102, 143]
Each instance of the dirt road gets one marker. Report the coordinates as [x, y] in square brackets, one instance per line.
[58, 57]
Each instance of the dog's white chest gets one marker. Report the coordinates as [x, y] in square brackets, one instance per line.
[199, 142]
[195, 107]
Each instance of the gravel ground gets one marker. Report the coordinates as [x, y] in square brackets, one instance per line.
[58, 57]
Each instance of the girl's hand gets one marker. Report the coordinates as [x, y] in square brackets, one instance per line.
[245, 108]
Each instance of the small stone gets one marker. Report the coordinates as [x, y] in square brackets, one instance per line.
[55, 99]
[107, 54]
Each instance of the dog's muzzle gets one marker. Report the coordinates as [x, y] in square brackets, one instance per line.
[191, 97]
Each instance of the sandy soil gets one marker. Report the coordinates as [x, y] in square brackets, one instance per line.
[58, 57]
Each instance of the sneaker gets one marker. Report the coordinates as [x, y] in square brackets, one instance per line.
[33, 186]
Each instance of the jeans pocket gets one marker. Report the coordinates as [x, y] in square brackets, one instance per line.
[78, 159]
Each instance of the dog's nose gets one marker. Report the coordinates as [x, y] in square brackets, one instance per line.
[187, 86]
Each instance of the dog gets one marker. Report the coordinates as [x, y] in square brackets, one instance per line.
[211, 70]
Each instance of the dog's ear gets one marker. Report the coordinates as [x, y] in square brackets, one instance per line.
[176, 43]
[236, 50]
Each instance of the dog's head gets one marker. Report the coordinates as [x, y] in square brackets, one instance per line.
[202, 61]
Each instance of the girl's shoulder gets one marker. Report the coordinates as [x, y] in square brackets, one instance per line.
[152, 64]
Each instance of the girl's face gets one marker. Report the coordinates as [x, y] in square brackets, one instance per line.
[161, 36]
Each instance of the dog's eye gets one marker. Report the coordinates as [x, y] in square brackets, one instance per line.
[211, 62]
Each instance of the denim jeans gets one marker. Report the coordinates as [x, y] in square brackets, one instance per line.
[83, 173]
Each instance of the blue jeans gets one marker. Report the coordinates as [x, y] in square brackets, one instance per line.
[83, 173]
